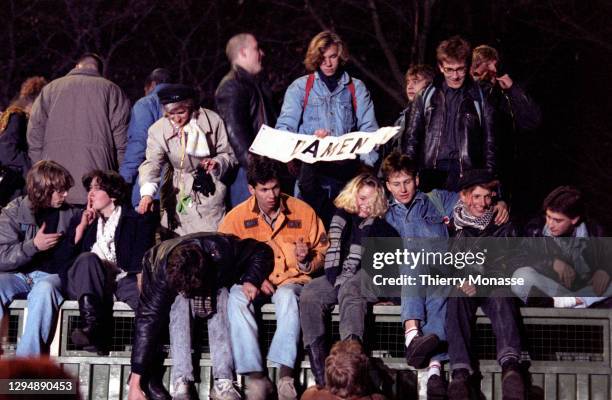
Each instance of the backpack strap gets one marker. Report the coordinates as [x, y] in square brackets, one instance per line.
[309, 85]
[351, 88]
[427, 95]
[478, 104]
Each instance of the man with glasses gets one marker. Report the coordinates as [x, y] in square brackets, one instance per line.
[450, 130]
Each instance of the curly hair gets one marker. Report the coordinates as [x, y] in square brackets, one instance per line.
[346, 372]
[347, 199]
[424, 70]
[566, 200]
[43, 179]
[111, 182]
[31, 87]
[262, 170]
[319, 44]
[186, 269]
[455, 48]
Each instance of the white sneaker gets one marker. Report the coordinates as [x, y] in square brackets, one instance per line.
[183, 390]
[224, 389]
[564, 302]
[286, 389]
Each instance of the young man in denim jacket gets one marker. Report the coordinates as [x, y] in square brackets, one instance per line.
[327, 101]
[415, 214]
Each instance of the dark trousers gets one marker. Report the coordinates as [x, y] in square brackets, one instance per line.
[461, 322]
[89, 275]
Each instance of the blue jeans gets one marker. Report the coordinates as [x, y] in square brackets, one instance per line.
[431, 311]
[43, 294]
[218, 339]
[239, 190]
[244, 331]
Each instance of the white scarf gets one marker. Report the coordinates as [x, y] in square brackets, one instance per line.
[197, 145]
[105, 237]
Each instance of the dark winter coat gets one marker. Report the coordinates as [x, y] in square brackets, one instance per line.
[425, 129]
[245, 104]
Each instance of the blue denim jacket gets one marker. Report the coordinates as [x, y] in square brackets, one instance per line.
[421, 218]
[145, 112]
[328, 110]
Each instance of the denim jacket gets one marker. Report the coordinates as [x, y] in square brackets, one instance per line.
[421, 218]
[145, 112]
[328, 110]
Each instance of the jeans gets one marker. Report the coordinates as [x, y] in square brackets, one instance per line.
[318, 298]
[44, 296]
[239, 190]
[244, 331]
[553, 288]
[461, 323]
[218, 339]
[431, 311]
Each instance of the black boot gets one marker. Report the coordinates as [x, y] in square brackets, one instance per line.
[88, 336]
[316, 354]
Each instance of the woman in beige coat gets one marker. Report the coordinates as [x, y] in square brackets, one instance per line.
[186, 139]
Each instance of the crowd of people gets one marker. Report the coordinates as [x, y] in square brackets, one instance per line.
[176, 218]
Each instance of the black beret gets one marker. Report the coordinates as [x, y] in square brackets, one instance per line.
[176, 92]
[475, 177]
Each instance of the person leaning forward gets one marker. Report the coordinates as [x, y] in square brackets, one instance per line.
[201, 266]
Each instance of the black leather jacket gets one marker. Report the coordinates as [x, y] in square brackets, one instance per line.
[234, 261]
[245, 103]
[425, 128]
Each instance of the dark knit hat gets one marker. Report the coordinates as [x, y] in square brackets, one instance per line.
[177, 92]
[475, 177]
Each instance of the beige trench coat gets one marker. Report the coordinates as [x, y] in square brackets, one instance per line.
[164, 147]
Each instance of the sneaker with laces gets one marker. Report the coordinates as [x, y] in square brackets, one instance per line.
[286, 389]
[224, 389]
[184, 390]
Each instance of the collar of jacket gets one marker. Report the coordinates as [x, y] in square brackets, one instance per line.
[84, 71]
[157, 88]
[252, 205]
[197, 114]
[344, 80]
[418, 197]
[242, 73]
[470, 88]
[25, 215]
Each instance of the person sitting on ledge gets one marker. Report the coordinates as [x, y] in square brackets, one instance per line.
[35, 250]
[111, 239]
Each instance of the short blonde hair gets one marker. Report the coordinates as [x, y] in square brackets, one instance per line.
[319, 44]
[483, 53]
[347, 199]
[234, 45]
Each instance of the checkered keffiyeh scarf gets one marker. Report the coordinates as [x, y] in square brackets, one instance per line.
[462, 217]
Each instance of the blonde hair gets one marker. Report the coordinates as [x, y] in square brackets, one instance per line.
[347, 199]
[319, 44]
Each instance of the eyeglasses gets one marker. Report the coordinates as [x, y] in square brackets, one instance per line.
[459, 71]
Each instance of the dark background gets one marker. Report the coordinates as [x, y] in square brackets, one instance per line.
[559, 50]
